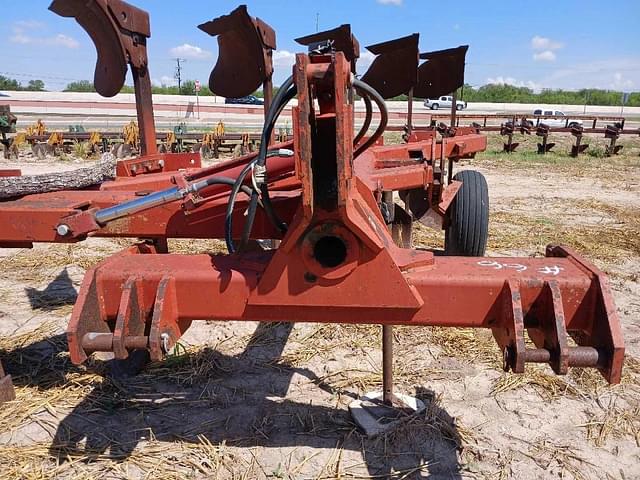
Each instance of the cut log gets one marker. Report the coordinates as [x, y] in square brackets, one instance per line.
[105, 169]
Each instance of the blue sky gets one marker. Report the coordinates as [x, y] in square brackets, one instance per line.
[543, 44]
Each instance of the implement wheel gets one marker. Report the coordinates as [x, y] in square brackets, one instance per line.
[468, 217]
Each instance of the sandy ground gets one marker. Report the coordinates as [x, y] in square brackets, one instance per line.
[243, 400]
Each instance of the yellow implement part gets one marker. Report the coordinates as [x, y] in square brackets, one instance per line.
[219, 130]
[170, 139]
[19, 140]
[95, 138]
[55, 139]
[131, 134]
[38, 128]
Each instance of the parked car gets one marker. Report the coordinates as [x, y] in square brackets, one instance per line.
[539, 113]
[444, 102]
[248, 100]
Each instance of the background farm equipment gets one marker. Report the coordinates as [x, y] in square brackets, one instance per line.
[7, 125]
[330, 197]
[183, 138]
[611, 132]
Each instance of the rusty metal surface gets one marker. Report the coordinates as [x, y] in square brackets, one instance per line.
[394, 71]
[479, 281]
[339, 260]
[166, 162]
[7, 392]
[341, 39]
[245, 53]
[36, 216]
[441, 73]
[119, 32]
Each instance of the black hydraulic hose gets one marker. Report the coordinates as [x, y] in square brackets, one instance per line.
[366, 90]
[254, 200]
[264, 188]
[367, 119]
[221, 181]
[284, 94]
[262, 156]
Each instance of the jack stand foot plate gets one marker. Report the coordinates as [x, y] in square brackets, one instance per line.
[375, 417]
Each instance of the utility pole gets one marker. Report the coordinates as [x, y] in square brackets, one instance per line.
[178, 74]
[317, 21]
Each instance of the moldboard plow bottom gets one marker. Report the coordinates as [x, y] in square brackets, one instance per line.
[337, 205]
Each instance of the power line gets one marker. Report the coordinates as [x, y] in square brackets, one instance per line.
[39, 77]
[577, 68]
[178, 75]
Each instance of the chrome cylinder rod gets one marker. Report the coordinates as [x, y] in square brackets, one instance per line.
[139, 204]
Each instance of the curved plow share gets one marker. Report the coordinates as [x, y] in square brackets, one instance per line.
[245, 55]
[119, 32]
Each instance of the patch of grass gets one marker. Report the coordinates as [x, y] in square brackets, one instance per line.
[616, 422]
[81, 150]
[557, 459]
[559, 158]
[38, 264]
[611, 241]
[546, 384]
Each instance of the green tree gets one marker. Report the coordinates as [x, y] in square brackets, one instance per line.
[35, 86]
[188, 87]
[500, 93]
[80, 86]
[9, 83]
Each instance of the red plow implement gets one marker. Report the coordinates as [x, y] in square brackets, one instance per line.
[338, 204]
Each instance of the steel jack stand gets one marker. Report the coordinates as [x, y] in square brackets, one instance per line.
[378, 412]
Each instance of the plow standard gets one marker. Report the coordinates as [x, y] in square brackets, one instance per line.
[336, 205]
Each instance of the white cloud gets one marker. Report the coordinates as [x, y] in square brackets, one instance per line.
[187, 50]
[500, 80]
[397, 3]
[20, 36]
[283, 58]
[28, 25]
[164, 81]
[618, 73]
[64, 41]
[545, 43]
[545, 56]
[621, 83]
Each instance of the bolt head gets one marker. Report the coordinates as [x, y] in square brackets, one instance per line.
[63, 230]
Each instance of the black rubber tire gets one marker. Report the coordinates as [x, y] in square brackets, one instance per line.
[435, 106]
[468, 217]
[459, 107]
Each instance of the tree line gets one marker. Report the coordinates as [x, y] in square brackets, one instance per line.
[491, 93]
[512, 94]
[7, 83]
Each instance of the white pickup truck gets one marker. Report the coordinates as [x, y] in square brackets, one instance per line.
[553, 122]
[444, 102]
